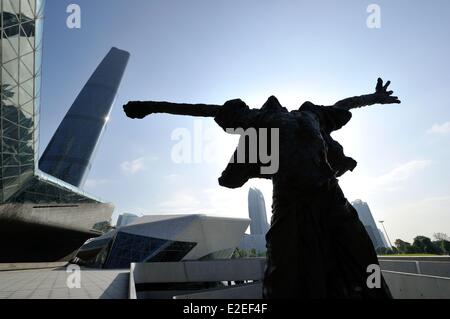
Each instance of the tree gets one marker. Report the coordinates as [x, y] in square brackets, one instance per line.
[441, 236]
[239, 253]
[403, 247]
[242, 253]
[443, 246]
[423, 244]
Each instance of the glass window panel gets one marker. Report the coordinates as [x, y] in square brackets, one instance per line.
[9, 18]
[10, 130]
[12, 67]
[7, 6]
[128, 248]
[10, 171]
[25, 73]
[5, 95]
[11, 113]
[27, 145]
[13, 39]
[32, 4]
[6, 102]
[10, 160]
[25, 134]
[8, 52]
[26, 159]
[10, 96]
[24, 96]
[12, 32]
[28, 109]
[25, 119]
[14, 6]
[10, 146]
[28, 86]
[28, 30]
[26, 47]
[7, 80]
[26, 9]
[174, 252]
[28, 61]
[26, 152]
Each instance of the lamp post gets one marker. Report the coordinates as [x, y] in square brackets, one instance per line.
[384, 228]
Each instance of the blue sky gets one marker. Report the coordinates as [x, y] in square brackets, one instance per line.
[212, 51]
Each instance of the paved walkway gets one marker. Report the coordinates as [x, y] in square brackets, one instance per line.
[52, 284]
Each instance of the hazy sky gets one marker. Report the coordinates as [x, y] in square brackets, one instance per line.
[213, 51]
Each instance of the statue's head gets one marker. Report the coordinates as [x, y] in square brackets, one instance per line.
[307, 105]
[273, 105]
[237, 174]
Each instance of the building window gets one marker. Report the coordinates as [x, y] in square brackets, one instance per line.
[130, 248]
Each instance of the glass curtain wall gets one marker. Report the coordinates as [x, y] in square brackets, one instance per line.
[20, 78]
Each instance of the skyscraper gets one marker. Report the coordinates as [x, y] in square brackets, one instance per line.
[70, 152]
[258, 224]
[365, 215]
[43, 218]
[257, 212]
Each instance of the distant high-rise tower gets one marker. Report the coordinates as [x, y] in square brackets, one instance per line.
[257, 212]
[365, 215]
[258, 224]
[70, 153]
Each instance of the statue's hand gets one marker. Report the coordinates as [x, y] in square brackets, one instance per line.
[135, 110]
[383, 96]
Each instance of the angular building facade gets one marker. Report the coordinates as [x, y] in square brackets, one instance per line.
[42, 218]
[164, 238]
[70, 152]
[126, 219]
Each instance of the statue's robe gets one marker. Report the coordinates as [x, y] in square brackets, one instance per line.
[316, 247]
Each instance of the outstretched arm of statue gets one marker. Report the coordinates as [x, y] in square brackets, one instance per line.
[233, 114]
[381, 96]
[140, 110]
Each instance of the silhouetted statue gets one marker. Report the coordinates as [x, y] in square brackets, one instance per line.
[317, 246]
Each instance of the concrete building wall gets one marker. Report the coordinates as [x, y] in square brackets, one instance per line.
[411, 286]
[402, 285]
[429, 268]
[48, 233]
[77, 217]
